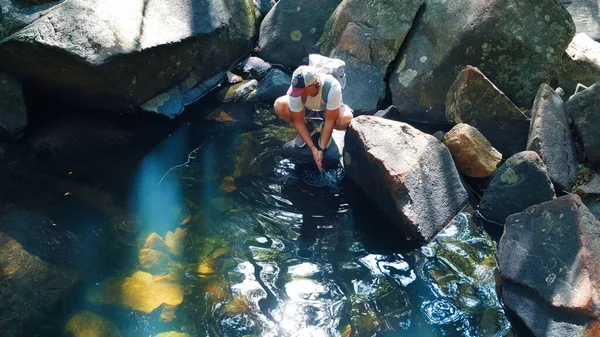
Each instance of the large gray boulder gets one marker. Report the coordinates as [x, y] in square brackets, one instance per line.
[367, 35]
[550, 137]
[586, 15]
[552, 250]
[408, 173]
[517, 44]
[99, 53]
[16, 14]
[584, 110]
[13, 112]
[291, 30]
[522, 181]
[473, 99]
[580, 63]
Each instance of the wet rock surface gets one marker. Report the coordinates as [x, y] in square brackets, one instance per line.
[411, 175]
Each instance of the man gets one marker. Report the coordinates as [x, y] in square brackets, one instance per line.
[314, 93]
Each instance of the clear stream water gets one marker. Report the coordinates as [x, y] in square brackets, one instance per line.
[274, 248]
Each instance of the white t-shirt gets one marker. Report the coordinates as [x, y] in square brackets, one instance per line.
[328, 98]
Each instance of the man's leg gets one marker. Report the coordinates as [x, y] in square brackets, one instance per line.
[344, 118]
[282, 109]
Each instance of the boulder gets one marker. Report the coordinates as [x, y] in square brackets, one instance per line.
[88, 324]
[473, 155]
[13, 112]
[367, 35]
[16, 14]
[474, 100]
[584, 110]
[291, 29]
[585, 14]
[580, 63]
[522, 181]
[517, 44]
[408, 173]
[101, 54]
[141, 292]
[550, 137]
[543, 320]
[552, 249]
[29, 286]
[255, 67]
[274, 85]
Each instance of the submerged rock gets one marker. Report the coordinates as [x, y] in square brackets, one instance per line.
[175, 241]
[367, 35]
[140, 292]
[473, 99]
[29, 287]
[173, 334]
[550, 137]
[88, 324]
[153, 259]
[520, 182]
[584, 110]
[517, 44]
[410, 174]
[473, 154]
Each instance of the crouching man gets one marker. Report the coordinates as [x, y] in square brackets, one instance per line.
[314, 94]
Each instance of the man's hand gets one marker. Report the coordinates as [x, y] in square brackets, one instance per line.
[318, 157]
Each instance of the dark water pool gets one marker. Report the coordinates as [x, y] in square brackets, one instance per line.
[253, 244]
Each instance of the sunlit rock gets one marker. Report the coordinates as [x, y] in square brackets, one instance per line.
[584, 110]
[29, 287]
[410, 174]
[520, 182]
[173, 334]
[580, 63]
[291, 30]
[167, 314]
[473, 154]
[474, 100]
[237, 91]
[550, 254]
[550, 137]
[139, 292]
[585, 16]
[125, 53]
[255, 67]
[88, 324]
[517, 44]
[367, 35]
[13, 112]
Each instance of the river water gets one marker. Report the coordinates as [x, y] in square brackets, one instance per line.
[259, 245]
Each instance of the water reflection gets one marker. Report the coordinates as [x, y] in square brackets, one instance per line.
[263, 246]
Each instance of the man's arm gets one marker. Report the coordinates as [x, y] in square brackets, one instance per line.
[330, 119]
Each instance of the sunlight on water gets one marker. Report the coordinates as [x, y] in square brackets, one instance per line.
[239, 241]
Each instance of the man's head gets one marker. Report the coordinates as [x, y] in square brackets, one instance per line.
[304, 82]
